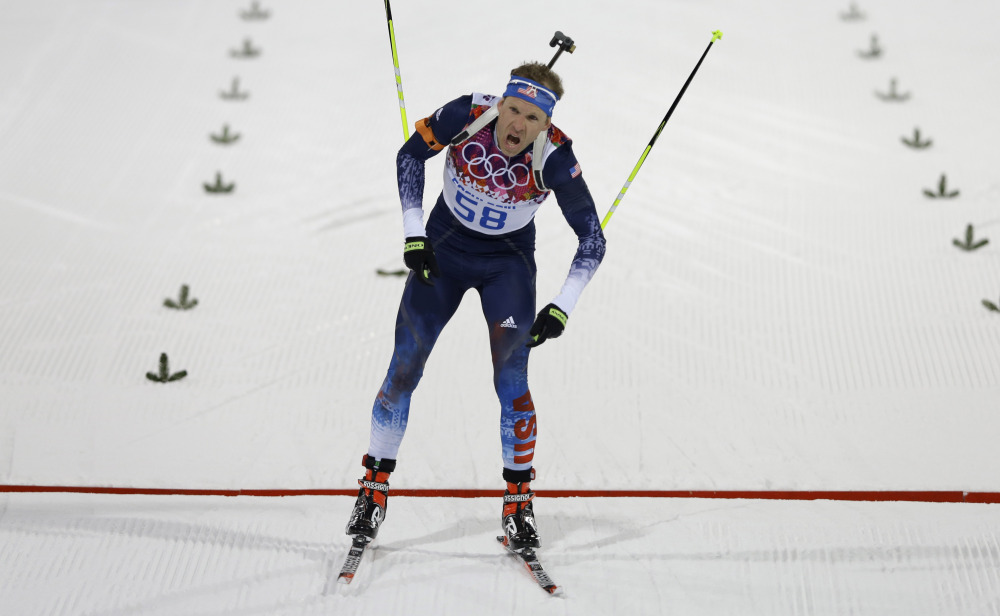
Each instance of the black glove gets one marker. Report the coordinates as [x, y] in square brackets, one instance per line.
[549, 323]
[419, 257]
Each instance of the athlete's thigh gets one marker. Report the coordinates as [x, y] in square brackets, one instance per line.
[424, 310]
[508, 301]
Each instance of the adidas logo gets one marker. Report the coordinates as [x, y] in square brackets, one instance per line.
[509, 323]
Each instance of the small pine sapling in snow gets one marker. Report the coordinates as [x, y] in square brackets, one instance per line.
[219, 187]
[164, 375]
[917, 143]
[893, 95]
[874, 51]
[943, 192]
[970, 244]
[182, 303]
[255, 12]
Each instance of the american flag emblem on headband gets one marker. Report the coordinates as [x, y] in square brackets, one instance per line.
[531, 91]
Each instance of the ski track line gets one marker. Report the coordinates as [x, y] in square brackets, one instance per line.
[926, 496]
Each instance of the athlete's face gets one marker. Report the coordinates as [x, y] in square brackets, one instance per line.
[518, 124]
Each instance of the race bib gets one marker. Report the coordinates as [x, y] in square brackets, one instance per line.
[487, 191]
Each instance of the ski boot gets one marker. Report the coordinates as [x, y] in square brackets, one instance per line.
[369, 509]
[520, 532]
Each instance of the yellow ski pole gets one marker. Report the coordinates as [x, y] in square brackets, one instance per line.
[621, 195]
[399, 77]
[402, 109]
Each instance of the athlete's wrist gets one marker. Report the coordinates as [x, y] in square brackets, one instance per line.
[413, 223]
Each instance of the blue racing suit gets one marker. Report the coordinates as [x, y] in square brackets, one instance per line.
[483, 234]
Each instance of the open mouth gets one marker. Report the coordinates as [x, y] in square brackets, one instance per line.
[512, 141]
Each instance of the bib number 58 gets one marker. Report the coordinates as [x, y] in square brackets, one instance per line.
[489, 218]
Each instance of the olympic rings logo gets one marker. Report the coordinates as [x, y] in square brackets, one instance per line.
[495, 168]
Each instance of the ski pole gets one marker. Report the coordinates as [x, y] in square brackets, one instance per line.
[402, 109]
[399, 77]
[604, 223]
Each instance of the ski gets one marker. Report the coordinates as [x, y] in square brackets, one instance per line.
[353, 559]
[530, 561]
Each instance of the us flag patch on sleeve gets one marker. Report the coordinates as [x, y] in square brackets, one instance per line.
[575, 170]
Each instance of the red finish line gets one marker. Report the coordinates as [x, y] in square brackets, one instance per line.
[943, 496]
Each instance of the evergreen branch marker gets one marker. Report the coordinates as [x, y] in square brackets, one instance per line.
[942, 192]
[853, 14]
[991, 306]
[892, 95]
[182, 303]
[219, 187]
[874, 52]
[164, 376]
[225, 138]
[382, 272]
[255, 12]
[916, 143]
[970, 244]
[234, 93]
[248, 50]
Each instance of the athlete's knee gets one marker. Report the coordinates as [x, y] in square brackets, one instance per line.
[510, 376]
[403, 381]
[507, 343]
[405, 372]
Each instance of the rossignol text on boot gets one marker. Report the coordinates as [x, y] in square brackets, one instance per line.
[519, 517]
[373, 495]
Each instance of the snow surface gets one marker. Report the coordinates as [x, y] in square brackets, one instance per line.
[781, 308]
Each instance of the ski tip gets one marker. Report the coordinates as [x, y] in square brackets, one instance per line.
[345, 578]
[716, 35]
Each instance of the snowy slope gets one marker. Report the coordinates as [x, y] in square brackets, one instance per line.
[781, 306]
[151, 555]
